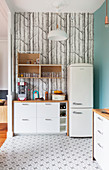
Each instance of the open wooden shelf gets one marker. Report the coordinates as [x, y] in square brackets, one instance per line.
[28, 65]
[24, 57]
[51, 77]
[29, 77]
[44, 71]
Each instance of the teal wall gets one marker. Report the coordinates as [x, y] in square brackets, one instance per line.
[101, 59]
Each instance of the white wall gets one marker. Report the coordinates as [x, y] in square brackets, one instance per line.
[3, 65]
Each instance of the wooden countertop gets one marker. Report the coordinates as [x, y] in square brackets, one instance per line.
[40, 101]
[99, 111]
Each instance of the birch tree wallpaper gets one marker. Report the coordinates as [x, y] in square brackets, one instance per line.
[31, 36]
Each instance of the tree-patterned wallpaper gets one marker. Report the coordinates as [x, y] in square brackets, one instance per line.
[31, 35]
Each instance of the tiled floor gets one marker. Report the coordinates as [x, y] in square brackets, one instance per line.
[47, 152]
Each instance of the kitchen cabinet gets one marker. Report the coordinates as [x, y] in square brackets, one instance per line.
[48, 118]
[40, 117]
[48, 110]
[24, 117]
[37, 70]
[101, 138]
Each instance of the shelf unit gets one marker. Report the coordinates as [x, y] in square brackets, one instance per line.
[63, 117]
[38, 69]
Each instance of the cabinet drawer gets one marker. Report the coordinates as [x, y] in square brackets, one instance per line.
[48, 110]
[99, 122]
[99, 137]
[24, 125]
[45, 125]
[99, 154]
[25, 110]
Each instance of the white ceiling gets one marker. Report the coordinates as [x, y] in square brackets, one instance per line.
[3, 20]
[47, 5]
[44, 6]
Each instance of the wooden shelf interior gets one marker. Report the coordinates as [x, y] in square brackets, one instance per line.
[47, 71]
[24, 57]
[50, 68]
[30, 69]
[62, 121]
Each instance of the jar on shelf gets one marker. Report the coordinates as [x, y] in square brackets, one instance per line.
[59, 74]
[28, 74]
[34, 74]
[28, 61]
[21, 75]
[24, 74]
[37, 61]
[46, 95]
[31, 74]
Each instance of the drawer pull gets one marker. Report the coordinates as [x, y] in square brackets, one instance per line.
[100, 145]
[100, 132]
[77, 112]
[47, 104]
[25, 119]
[48, 119]
[100, 119]
[25, 104]
[74, 103]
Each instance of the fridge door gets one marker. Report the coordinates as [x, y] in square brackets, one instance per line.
[80, 124]
[81, 87]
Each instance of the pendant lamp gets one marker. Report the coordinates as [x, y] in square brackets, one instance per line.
[57, 35]
[106, 18]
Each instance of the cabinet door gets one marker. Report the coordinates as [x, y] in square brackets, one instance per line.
[25, 117]
[48, 110]
[81, 87]
[25, 125]
[99, 139]
[45, 125]
[80, 122]
[106, 145]
[95, 140]
[25, 110]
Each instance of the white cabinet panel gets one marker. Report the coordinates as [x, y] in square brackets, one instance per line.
[99, 123]
[106, 145]
[25, 110]
[101, 141]
[99, 154]
[25, 117]
[81, 87]
[48, 125]
[48, 110]
[80, 122]
[22, 125]
[95, 139]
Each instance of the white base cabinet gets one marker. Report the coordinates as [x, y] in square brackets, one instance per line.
[48, 117]
[45, 125]
[25, 118]
[36, 117]
[101, 141]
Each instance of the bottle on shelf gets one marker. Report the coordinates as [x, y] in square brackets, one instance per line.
[46, 95]
[62, 114]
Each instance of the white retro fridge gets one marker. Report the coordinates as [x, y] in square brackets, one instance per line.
[80, 96]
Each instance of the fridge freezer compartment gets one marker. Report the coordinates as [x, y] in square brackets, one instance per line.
[80, 122]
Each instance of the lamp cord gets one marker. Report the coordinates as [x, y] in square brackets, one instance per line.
[106, 8]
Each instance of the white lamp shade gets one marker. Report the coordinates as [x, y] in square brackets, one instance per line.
[57, 35]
